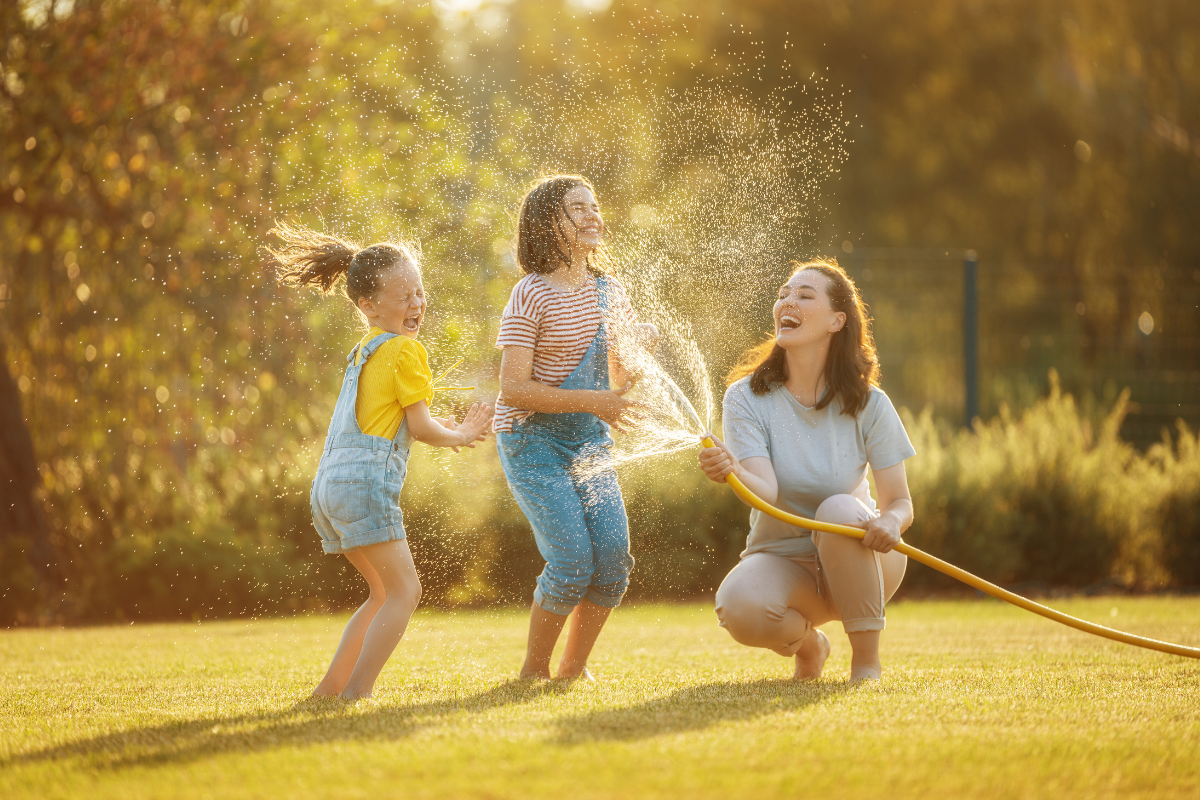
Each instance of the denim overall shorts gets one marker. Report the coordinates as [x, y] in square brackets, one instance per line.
[356, 495]
[578, 522]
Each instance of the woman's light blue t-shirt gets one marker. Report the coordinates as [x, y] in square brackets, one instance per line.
[816, 454]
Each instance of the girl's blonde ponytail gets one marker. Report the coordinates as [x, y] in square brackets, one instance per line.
[309, 257]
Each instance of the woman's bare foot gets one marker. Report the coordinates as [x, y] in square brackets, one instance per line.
[810, 658]
[535, 674]
[869, 672]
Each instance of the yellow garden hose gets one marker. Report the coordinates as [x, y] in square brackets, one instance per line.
[962, 575]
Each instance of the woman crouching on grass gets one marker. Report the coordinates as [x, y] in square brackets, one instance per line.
[804, 420]
[382, 408]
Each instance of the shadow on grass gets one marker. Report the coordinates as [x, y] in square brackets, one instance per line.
[311, 722]
[307, 722]
[696, 707]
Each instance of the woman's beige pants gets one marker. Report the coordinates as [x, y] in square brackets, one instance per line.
[772, 601]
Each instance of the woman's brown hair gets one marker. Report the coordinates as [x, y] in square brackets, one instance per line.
[540, 231]
[309, 257]
[852, 366]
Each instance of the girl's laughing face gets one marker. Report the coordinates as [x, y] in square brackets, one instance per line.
[584, 227]
[399, 304]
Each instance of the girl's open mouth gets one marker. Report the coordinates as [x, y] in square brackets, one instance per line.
[412, 323]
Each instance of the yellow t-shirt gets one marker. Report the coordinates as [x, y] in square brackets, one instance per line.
[396, 375]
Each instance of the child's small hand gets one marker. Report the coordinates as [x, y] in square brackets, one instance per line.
[611, 406]
[475, 425]
[449, 424]
[647, 336]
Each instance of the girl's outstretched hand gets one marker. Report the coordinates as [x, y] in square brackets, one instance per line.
[717, 461]
[647, 335]
[612, 407]
[474, 427]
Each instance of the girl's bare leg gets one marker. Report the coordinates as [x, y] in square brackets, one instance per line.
[349, 648]
[586, 622]
[393, 563]
[544, 628]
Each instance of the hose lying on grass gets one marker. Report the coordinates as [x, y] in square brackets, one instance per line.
[962, 575]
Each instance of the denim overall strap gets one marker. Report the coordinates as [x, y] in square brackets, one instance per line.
[592, 371]
[370, 347]
[343, 427]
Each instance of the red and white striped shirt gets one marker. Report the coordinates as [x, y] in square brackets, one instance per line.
[558, 326]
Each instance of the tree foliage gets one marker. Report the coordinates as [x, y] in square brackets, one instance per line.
[174, 394]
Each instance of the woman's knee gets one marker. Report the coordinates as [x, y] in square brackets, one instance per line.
[843, 509]
[748, 619]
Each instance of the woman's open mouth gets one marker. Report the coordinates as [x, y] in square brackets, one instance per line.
[787, 323]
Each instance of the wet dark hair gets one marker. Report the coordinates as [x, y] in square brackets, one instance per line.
[852, 367]
[312, 258]
[540, 231]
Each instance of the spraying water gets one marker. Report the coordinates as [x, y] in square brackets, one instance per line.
[706, 196]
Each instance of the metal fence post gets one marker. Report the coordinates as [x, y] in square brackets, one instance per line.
[971, 335]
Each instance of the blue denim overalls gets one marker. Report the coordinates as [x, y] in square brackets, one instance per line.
[579, 523]
[356, 494]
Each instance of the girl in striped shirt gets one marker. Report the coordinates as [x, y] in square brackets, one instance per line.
[566, 320]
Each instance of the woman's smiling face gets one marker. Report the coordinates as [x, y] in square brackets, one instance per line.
[803, 312]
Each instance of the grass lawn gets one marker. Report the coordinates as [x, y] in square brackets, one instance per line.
[978, 700]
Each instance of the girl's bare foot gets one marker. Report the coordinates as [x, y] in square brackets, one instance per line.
[810, 658]
[584, 675]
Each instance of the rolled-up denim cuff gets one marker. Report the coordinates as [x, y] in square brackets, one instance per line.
[548, 604]
[862, 625]
[603, 598]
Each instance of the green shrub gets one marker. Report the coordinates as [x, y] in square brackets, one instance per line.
[1044, 497]
[1179, 508]
[1047, 496]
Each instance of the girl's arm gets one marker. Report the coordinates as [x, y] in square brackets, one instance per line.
[884, 531]
[425, 428]
[757, 473]
[518, 389]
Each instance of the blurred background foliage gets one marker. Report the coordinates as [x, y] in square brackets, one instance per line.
[163, 401]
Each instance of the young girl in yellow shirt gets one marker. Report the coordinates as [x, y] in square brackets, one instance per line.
[383, 406]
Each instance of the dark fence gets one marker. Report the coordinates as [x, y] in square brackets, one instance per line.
[1101, 335]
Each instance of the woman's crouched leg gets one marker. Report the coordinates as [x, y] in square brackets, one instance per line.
[860, 580]
[769, 601]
